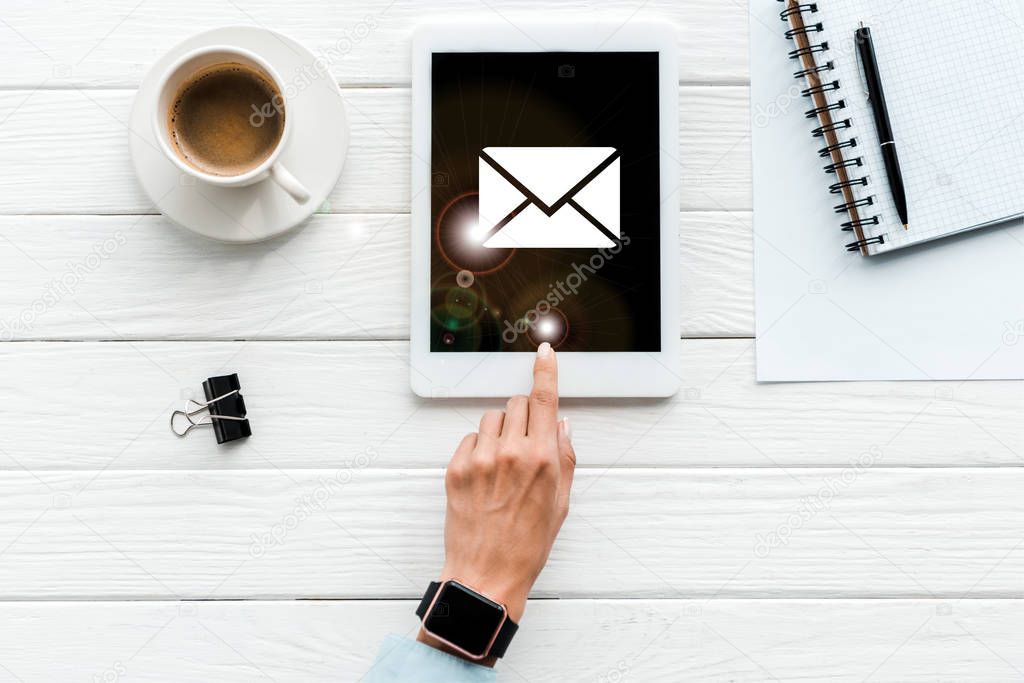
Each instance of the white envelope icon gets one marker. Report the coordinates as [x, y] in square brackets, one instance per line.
[549, 197]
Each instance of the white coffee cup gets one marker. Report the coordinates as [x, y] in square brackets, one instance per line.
[188, 66]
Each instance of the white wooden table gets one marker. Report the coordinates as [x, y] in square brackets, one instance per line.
[126, 553]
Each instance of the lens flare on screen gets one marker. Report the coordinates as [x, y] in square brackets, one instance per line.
[551, 327]
[460, 238]
[462, 318]
[475, 234]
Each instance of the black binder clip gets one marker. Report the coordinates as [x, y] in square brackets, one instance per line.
[225, 410]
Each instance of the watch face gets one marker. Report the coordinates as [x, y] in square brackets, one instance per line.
[464, 618]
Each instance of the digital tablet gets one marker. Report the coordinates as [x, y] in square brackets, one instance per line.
[545, 208]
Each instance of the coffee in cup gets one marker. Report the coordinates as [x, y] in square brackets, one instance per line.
[226, 119]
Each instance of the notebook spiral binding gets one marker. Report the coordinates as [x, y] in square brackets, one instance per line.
[815, 71]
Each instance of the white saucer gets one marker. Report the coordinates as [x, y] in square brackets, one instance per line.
[314, 154]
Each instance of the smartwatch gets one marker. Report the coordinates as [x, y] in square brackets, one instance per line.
[465, 620]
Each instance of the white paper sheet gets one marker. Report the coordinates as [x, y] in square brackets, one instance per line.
[950, 309]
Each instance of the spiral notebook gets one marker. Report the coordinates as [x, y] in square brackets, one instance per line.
[953, 76]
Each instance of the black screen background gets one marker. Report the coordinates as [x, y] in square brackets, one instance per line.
[545, 99]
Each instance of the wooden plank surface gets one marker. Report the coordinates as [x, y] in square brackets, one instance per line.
[53, 167]
[85, 167]
[738, 531]
[356, 531]
[626, 640]
[102, 405]
[113, 43]
[342, 276]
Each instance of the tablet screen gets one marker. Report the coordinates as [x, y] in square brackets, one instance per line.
[545, 201]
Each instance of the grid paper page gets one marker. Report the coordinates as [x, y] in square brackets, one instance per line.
[953, 74]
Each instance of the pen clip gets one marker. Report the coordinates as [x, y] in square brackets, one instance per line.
[860, 63]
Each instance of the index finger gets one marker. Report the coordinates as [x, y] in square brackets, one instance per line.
[543, 419]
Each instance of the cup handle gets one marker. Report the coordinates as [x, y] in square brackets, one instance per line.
[289, 183]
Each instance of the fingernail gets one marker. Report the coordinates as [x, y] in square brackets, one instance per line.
[544, 350]
[566, 429]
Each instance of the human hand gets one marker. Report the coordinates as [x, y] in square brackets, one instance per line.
[508, 493]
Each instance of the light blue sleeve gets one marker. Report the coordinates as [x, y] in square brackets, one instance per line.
[402, 660]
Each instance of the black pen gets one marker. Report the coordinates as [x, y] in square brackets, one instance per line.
[876, 97]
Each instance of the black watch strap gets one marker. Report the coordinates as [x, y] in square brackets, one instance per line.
[505, 633]
[428, 597]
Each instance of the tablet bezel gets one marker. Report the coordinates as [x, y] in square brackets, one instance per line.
[599, 374]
